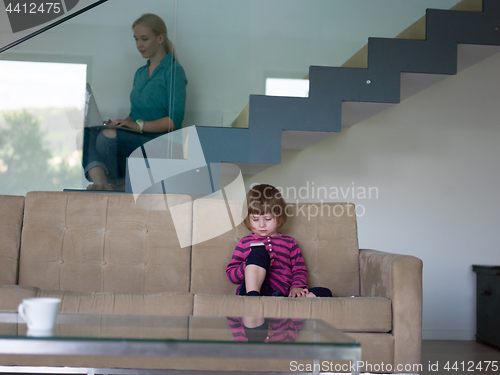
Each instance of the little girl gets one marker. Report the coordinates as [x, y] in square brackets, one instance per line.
[277, 268]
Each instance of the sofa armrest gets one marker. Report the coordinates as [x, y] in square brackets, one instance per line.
[399, 278]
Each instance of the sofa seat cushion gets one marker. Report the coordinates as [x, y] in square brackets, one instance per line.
[168, 303]
[12, 295]
[353, 314]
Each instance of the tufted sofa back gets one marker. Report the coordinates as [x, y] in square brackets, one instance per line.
[11, 221]
[325, 232]
[98, 242]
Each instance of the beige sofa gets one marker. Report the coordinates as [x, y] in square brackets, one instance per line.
[106, 253]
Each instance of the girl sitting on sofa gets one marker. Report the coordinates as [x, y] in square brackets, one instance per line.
[277, 268]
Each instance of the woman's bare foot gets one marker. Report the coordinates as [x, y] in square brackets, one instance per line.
[100, 182]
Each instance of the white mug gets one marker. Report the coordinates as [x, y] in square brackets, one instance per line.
[40, 315]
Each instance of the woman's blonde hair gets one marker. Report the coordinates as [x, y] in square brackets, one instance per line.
[266, 199]
[156, 24]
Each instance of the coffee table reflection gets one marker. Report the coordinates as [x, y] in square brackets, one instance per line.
[215, 340]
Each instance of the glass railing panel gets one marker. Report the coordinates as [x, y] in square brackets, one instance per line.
[23, 19]
[228, 50]
[44, 111]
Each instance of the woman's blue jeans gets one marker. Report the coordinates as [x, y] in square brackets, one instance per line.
[111, 153]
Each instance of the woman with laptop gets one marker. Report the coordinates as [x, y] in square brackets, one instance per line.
[157, 100]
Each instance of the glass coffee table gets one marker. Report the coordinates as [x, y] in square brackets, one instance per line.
[133, 344]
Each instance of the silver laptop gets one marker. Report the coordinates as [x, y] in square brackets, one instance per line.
[92, 116]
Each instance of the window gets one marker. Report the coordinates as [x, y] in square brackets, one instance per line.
[41, 119]
[287, 87]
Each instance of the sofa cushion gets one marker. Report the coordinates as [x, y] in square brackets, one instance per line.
[210, 256]
[12, 295]
[168, 303]
[11, 221]
[104, 242]
[359, 314]
[325, 232]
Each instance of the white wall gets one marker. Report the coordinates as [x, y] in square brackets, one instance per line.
[435, 159]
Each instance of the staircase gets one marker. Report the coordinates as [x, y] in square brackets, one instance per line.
[342, 96]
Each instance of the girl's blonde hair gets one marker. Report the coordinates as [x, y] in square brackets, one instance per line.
[266, 199]
[156, 24]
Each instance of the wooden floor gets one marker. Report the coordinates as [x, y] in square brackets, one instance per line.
[462, 357]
